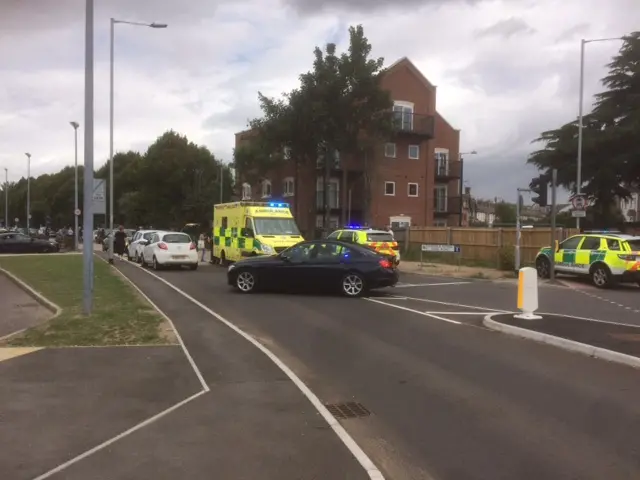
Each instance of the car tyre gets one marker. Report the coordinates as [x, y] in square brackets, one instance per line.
[543, 266]
[353, 285]
[193, 266]
[223, 259]
[601, 276]
[245, 281]
[143, 262]
[156, 265]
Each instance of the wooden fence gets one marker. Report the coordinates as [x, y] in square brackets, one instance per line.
[483, 244]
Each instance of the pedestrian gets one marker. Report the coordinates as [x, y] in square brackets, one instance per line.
[202, 246]
[119, 241]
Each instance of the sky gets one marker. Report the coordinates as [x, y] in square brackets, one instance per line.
[506, 70]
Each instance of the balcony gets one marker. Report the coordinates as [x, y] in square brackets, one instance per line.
[417, 125]
[445, 206]
[449, 170]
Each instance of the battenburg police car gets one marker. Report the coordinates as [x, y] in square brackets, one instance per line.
[606, 257]
[379, 240]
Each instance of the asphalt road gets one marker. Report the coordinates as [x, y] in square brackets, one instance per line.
[449, 399]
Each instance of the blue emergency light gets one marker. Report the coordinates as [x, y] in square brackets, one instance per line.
[279, 205]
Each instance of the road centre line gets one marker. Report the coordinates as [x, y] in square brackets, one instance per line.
[496, 310]
[348, 441]
[400, 307]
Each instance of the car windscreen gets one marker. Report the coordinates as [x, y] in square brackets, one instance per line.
[147, 236]
[634, 244]
[275, 226]
[380, 237]
[176, 238]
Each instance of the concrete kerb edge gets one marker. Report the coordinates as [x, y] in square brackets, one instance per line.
[569, 345]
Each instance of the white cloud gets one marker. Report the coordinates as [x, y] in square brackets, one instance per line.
[505, 70]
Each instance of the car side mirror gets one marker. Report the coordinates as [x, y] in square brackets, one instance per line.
[247, 232]
[285, 258]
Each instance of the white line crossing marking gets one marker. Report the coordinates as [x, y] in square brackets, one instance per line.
[407, 285]
[495, 310]
[456, 313]
[414, 311]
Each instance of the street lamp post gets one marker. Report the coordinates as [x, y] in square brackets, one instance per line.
[461, 156]
[75, 126]
[111, 99]
[583, 42]
[28, 191]
[6, 198]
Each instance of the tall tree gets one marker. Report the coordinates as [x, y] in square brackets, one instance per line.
[611, 138]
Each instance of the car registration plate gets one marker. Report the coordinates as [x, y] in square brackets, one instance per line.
[178, 257]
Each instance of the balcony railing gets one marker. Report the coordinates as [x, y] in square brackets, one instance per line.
[417, 124]
[448, 170]
[443, 206]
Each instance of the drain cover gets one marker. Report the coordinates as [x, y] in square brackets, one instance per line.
[348, 410]
[629, 337]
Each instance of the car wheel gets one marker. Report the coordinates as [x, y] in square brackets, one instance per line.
[601, 276]
[156, 265]
[136, 258]
[353, 285]
[193, 267]
[143, 262]
[245, 281]
[223, 259]
[543, 266]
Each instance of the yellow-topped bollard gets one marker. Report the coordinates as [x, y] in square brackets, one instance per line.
[528, 293]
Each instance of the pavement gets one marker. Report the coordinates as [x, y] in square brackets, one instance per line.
[19, 310]
[448, 398]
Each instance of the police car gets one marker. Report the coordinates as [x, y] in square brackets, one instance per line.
[381, 241]
[606, 257]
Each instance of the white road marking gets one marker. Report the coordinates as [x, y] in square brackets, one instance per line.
[457, 313]
[495, 310]
[413, 311]
[364, 460]
[406, 285]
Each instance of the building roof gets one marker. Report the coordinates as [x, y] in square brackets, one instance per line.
[405, 62]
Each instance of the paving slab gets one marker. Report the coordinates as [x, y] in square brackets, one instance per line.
[18, 309]
[56, 404]
[611, 336]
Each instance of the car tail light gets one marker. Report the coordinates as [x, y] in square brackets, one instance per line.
[384, 263]
[192, 246]
[629, 258]
[163, 246]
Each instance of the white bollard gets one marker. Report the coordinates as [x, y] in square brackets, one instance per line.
[528, 293]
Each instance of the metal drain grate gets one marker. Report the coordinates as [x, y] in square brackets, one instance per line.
[348, 410]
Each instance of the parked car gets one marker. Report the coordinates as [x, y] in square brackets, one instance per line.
[166, 249]
[15, 242]
[134, 250]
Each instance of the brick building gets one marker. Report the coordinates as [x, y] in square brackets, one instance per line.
[413, 179]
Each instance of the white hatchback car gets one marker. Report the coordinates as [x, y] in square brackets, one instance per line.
[165, 249]
[134, 251]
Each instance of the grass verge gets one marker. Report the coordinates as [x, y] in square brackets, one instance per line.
[120, 315]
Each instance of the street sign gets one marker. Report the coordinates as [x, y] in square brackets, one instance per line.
[99, 196]
[77, 212]
[580, 201]
[432, 247]
[578, 213]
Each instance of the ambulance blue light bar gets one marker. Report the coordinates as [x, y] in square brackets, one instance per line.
[279, 205]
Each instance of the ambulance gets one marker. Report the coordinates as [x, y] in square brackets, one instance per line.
[247, 229]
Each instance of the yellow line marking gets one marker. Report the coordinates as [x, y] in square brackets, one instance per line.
[8, 353]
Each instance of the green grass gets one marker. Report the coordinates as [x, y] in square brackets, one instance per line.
[120, 315]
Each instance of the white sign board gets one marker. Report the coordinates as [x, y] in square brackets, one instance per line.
[578, 213]
[99, 196]
[440, 248]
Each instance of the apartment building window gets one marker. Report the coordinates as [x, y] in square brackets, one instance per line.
[403, 115]
[414, 152]
[287, 153]
[266, 188]
[390, 188]
[442, 161]
[440, 204]
[287, 187]
[334, 221]
[246, 191]
[390, 150]
[412, 189]
[320, 159]
[334, 193]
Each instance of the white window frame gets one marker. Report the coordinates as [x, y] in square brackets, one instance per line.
[286, 153]
[444, 188]
[417, 156]
[442, 164]
[406, 107]
[246, 191]
[394, 189]
[265, 184]
[288, 187]
[395, 150]
[409, 189]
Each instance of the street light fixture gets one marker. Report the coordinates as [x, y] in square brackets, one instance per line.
[461, 157]
[6, 198]
[583, 42]
[112, 35]
[75, 126]
[28, 191]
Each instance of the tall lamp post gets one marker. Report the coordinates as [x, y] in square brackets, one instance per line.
[583, 42]
[111, 49]
[75, 126]
[28, 191]
[461, 157]
[6, 198]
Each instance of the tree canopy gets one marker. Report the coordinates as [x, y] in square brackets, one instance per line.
[338, 106]
[174, 182]
[611, 138]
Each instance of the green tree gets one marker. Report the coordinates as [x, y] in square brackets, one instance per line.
[610, 138]
[505, 213]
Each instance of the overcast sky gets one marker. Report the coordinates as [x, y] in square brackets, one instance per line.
[505, 70]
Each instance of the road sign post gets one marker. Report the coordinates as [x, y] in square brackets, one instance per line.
[528, 294]
[579, 202]
[554, 181]
[439, 248]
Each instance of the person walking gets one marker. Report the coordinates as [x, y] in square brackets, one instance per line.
[202, 246]
[119, 242]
